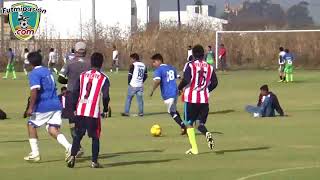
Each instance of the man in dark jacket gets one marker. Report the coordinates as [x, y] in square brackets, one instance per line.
[268, 103]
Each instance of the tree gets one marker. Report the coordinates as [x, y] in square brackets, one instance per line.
[299, 16]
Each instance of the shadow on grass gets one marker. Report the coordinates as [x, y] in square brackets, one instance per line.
[242, 150]
[105, 156]
[155, 113]
[21, 140]
[213, 132]
[223, 112]
[128, 163]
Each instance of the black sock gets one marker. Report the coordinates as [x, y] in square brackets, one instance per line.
[76, 144]
[95, 149]
[280, 77]
[202, 129]
[73, 134]
[284, 78]
[177, 119]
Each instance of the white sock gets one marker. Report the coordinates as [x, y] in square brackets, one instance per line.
[117, 69]
[34, 146]
[63, 141]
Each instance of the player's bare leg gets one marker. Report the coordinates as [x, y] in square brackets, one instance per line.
[55, 133]
[34, 156]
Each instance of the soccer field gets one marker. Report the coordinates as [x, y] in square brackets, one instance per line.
[285, 148]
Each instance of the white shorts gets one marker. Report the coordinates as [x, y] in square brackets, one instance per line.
[171, 105]
[26, 61]
[52, 118]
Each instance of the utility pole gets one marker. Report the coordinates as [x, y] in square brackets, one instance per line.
[179, 17]
[94, 22]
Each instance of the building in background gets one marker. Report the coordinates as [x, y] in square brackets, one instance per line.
[193, 15]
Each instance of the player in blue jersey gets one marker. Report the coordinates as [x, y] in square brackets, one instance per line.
[44, 107]
[165, 76]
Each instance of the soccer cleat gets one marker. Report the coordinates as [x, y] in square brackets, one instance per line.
[141, 114]
[280, 81]
[96, 165]
[191, 152]
[183, 132]
[68, 154]
[32, 158]
[80, 153]
[4, 77]
[125, 114]
[71, 162]
[210, 140]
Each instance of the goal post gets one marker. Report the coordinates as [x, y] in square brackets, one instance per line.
[219, 33]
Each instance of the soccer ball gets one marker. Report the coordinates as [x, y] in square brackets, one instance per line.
[155, 130]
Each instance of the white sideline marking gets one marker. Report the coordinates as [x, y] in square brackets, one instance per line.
[277, 171]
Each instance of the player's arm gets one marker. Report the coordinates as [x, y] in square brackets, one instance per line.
[63, 74]
[75, 94]
[213, 82]
[34, 82]
[105, 97]
[186, 79]
[156, 84]
[145, 76]
[131, 69]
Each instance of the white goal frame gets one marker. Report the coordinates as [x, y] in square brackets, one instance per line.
[266, 31]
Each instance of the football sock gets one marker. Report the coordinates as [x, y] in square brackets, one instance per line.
[280, 77]
[75, 145]
[95, 149]
[291, 77]
[55, 70]
[34, 146]
[192, 138]
[284, 77]
[73, 134]
[14, 74]
[287, 77]
[63, 141]
[117, 69]
[202, 129]
[177, 119]
[25, 71]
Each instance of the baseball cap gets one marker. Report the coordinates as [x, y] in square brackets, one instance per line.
[80, 46]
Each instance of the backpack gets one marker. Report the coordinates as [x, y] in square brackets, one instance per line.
[3, 115]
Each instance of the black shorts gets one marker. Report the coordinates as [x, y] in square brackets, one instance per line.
[194, 112]
[88, 124]
[68, 111]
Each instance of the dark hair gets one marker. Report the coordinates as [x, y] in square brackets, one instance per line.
[286, 50]
[9, 49]
[222, 45]
[72, 50]
[264, 88]
[190, 47]
[157, 56]
[39, 50]
[198, 52]
[51, 49]
[35, 58]
[135, 56]
[210, 47]
[63, 88]
[114, 47]
[26, 50]
[96, 60]
[281, 48]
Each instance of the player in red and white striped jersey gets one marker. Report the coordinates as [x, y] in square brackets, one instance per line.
[198, 81]
[87, 96]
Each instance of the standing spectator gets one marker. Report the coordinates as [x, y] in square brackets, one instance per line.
[136, 78]
[10, 65]
[115, 59]
[69, 56]
[53, 59]
[189, 58]
[25, 62]
[223, 57]
[210, 56]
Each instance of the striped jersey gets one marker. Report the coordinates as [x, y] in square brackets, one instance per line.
[200, 75]
[92, 84]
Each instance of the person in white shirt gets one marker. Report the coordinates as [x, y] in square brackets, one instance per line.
[53, 60]
[115, 59]
[281, 62]
[25, 62]
[136, 77]
[189, 54]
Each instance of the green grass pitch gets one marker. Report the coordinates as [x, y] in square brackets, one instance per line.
[246, 148]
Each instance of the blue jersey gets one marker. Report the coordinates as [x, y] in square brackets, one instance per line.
[41, 78]
[288, 58]
[167, 76]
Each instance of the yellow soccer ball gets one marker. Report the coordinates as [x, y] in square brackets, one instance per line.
[155, 130]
